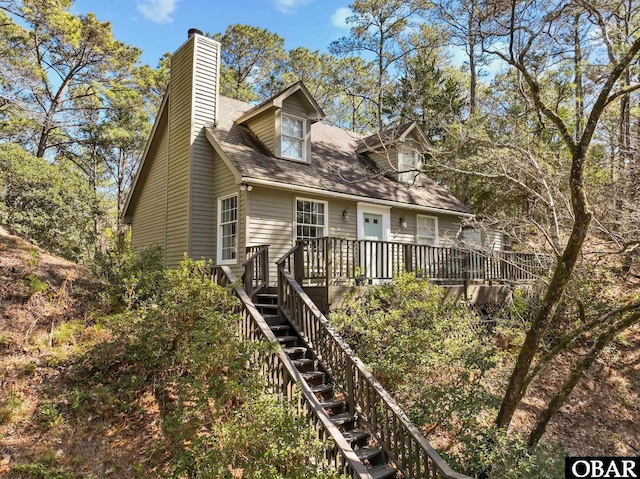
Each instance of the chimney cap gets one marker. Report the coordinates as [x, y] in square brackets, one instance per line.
[193, 31]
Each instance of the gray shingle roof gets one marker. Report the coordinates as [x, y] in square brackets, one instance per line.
[334, 167]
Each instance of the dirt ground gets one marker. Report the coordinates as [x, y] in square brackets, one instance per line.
[47, 425]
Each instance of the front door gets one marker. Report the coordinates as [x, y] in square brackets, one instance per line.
[372, 226]
[371, 250]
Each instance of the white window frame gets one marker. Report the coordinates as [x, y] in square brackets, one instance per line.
[410, 177]
[325, 227]
[436, 238]
[303, 139]
[220, 225]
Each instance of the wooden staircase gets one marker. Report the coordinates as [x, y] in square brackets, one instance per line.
[334, 402]
[366, 433]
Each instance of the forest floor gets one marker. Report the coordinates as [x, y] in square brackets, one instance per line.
[50, 426]
[51, 318]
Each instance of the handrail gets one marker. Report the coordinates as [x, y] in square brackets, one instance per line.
[282, 373]
[256, 269]
[400, 439]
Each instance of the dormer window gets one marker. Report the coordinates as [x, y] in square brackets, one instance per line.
[293, 138]
[409, 167]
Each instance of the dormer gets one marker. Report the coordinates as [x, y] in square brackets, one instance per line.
[399, 152]
[283, 122]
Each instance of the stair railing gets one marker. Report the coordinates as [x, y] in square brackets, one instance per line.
[401, 440]
[284, 376]
[256, 269]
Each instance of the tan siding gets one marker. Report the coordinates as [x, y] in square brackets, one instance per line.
[148, 225]
[205, 80]
[292, 106]
[493, 239]
[448, 229]
[179, 153]
[386, 161]
[203, 172]
[224, 185]
[265, 129]
[398, 233]
[271, 222]
[337, 225]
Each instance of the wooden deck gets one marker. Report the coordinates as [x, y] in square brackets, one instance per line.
[334, 264]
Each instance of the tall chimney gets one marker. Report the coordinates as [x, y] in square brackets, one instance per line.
[193, 31]
[193, 105]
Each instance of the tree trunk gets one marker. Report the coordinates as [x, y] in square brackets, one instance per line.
[472, 59]
[561, 275]
[577, 64]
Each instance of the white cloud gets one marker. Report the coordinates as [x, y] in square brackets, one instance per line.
[159, 11]
[290, 6]
[339, 17]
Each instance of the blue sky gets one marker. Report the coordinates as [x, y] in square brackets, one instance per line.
[159, 26]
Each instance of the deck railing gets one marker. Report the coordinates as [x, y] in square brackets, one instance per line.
[365, 396]
[333, 261]
[284, 378]
[256, 269]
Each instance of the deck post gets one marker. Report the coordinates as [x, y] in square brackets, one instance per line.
[467, 273]
[408, 258]
[298, 266]
[328, 261]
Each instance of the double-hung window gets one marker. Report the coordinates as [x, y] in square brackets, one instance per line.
[409, 168]
[427, 230]
[292, 144]
[311, 219]
[228, 230]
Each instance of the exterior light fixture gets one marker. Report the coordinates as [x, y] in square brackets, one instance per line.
[244, 186]
[345, 215]
[403, 222]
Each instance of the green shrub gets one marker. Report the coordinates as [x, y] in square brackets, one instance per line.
[133, 277]
[492, 453]
[49, 204]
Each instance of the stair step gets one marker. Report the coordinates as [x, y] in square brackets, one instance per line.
[267, 296]
[382, 471]
[331, 404]
[313, 378]
[288, 340]
[368, 454]
[269, 306]
[304, 365]
[356, 437]
[272, 319]
[342, 419]
[280, 328]
[296, 352]
[322, 390]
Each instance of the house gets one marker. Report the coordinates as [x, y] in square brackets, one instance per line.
[219, 175]
[272, 194]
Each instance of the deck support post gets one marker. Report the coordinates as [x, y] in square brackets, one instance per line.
[328, 261]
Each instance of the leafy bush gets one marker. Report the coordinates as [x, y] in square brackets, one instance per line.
[495, 454]
[52, 205]
[132, 277]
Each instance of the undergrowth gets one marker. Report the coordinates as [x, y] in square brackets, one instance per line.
[444, 367]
